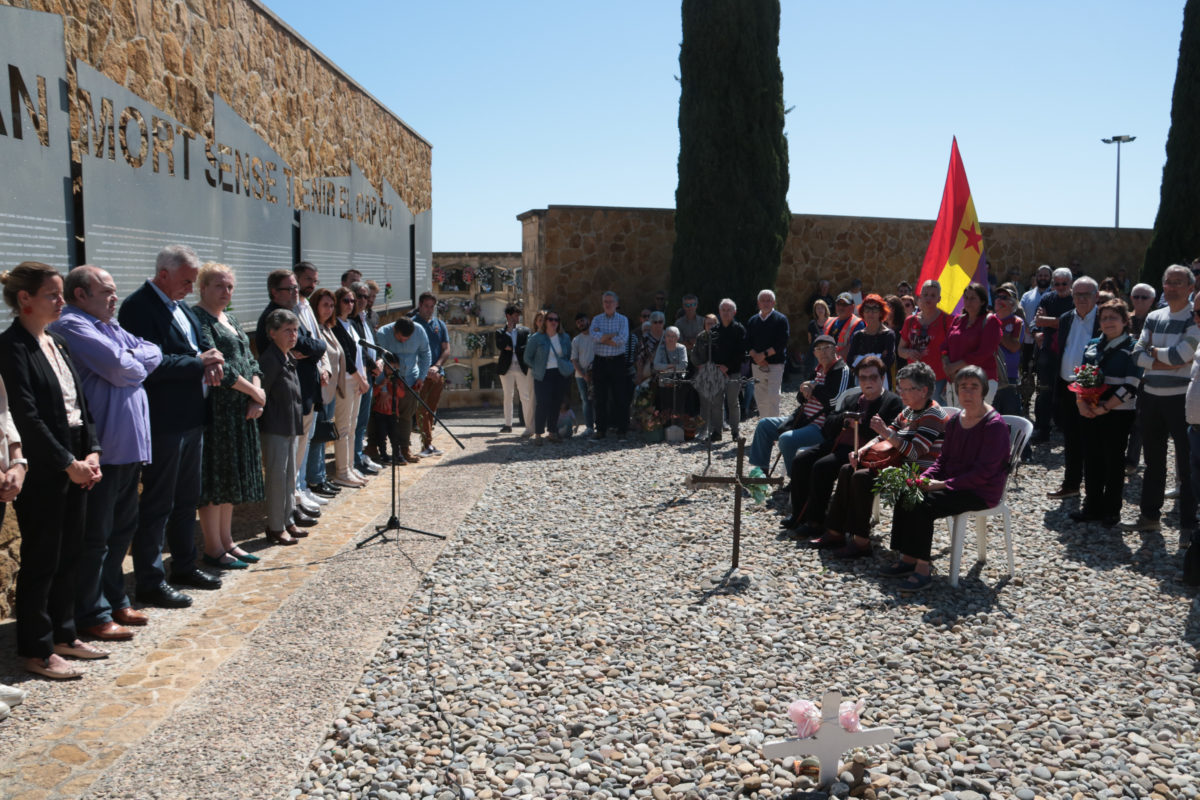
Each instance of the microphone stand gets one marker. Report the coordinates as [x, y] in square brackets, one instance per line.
[397, 381]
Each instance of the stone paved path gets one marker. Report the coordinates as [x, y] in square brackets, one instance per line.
[230, 697]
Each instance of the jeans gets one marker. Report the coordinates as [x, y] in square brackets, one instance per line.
[111, 520]
[167, 509]
[303, 448]
[766, 433]
[548, 397]
[360, 429]
[589, 413]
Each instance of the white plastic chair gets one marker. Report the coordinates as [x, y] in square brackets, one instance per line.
[1019, 430]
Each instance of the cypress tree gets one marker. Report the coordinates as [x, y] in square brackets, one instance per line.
[1177, 225]
[731, 213]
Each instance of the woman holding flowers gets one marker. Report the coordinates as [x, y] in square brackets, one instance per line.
[916, 434]
[1107, 412]
[968, 475]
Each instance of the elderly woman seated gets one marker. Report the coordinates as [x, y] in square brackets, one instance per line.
[916, 435]
[670, 363]
[968, 475]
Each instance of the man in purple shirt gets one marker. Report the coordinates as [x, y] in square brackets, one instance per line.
[112, 363]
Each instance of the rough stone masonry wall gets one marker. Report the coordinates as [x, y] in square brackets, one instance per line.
[573, 253]
[175, 53]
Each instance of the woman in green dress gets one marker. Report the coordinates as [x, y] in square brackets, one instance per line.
[231, 470]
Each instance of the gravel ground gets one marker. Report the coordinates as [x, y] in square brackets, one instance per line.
[582, 638]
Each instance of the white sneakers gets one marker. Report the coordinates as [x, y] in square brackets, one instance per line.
[314, 499]
[4, 710]
[430, 451]
[11, 696]
[351, 480]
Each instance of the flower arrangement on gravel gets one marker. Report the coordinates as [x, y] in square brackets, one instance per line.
[902, 485]
[807, 716]
[649, 419]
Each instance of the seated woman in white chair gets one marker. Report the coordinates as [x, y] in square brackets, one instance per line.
[969, 475]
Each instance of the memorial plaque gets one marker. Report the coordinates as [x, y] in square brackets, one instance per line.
[423, 252]
[256, 219]
[36, 209]
[146, 183]
[326, 237]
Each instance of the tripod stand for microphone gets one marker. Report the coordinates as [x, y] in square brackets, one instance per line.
[397, 383]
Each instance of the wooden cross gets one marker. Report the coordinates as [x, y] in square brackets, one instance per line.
[830, 740]
[738, 480]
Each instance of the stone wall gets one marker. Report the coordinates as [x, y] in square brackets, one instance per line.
[573, 253]
[175, 54]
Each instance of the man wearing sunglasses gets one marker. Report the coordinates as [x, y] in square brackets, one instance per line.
[1165, 350]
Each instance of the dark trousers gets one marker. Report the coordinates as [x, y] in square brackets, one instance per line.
[112, 518]
[912, 529]
[1133, 453]
[611, 382]
[1046, 361]
[547, 401]
[1104, 440]
[813, 475]
[1068, 420]
[398, 425]
[850, 508]
[167, 511]
[50, 513]
[1163, 418]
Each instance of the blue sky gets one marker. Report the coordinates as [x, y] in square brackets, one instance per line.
[529, 104]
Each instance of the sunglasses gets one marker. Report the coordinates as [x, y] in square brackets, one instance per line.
[689, 305]
[346, 301]
[551, 319]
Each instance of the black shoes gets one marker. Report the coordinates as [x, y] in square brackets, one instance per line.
[322, 489]
[506, 428]
[164, 596]
[303, 520]
[197, 579]
[1086, 516]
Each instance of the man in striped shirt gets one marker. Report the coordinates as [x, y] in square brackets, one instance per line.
[817, 398]
[1165, 351]
[610, 379]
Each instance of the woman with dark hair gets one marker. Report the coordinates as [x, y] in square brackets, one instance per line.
[875, 338]
[324, 306]
[973, 338]
[916, 433]
[969, 475]
[354, 386]
[1108, 419]
[548, 356]
[820, 316]
[51, 416]
[231, 469]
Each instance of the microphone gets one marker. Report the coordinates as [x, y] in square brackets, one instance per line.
[388, 355]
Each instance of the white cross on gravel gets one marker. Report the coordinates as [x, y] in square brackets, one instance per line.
[830, 740]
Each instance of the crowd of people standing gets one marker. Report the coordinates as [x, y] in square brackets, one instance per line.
[177, 400]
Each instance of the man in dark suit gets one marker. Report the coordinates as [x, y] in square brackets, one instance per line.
[1075, 329]
[514, 375]
[284, 290]
[176, 391]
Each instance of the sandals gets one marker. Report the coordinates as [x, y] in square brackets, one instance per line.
[915, 582]
[899, 569]
[42, 666]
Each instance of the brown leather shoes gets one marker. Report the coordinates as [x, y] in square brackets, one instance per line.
[109, 632]
[130, 616]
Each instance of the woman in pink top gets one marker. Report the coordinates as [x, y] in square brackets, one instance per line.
[973, 338]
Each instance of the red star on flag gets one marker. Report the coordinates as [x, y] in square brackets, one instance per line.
[973, 238]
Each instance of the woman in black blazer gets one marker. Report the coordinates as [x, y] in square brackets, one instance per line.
[48, 407]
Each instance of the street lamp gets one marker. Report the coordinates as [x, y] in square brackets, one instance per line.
[1120, 140]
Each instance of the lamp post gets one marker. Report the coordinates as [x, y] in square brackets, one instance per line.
[1120, 140]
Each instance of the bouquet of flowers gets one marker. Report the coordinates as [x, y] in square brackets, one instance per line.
[901, 486]
[476, 341]
[468, 274]
[649, 419]
[442, 307]
[439, 275]
[387, 291]
[1088, 383]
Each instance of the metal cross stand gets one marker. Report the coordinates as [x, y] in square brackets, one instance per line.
[738, 481]
[830, 740]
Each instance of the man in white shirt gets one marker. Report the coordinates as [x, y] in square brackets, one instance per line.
[1075, 329]
[310, 461]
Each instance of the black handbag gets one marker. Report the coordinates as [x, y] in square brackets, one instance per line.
[323, 429]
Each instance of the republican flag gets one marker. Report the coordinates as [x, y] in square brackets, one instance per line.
[955, 256]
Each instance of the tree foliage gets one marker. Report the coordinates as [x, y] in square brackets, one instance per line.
[731, 213]
[1176, 236]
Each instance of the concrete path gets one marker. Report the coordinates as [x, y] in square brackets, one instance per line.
[232, 696]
